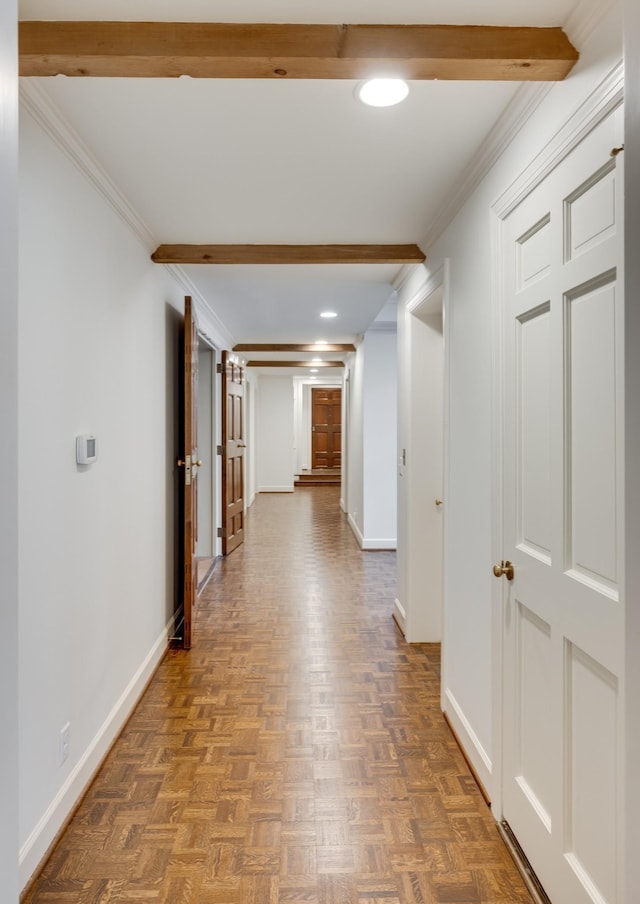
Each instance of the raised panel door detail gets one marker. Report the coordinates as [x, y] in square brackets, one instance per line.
[591, 409]
[563, 624]
[533, 419]
[590, 213]
[591, 766]
[533, 254]
[534, 687]
[326, 416]
[232, 453]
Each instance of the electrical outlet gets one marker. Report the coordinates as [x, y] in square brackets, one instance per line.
[63, 748]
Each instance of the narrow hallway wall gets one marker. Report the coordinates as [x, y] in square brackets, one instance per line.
[99, 353]
[468, 658]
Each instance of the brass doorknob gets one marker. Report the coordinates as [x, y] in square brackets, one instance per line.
[181, 463]
[197, 463]
[438, 501]
[505, 569]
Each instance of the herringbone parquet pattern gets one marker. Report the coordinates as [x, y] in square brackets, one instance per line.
[296, 755]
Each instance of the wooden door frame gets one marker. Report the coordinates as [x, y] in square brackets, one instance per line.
[602, 102]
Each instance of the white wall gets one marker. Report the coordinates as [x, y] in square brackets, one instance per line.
[632, 451]
[9, 451]
[371, 451]
[355, 427]
[275, 434]
[467, 659]
[380, 419]
[98, 350]
[302, 419]
[420, 522]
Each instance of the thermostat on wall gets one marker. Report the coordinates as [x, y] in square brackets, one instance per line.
[86, 449]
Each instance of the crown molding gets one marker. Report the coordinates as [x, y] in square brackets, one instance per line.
[39, 105]
[581, 24]
[606, 97]
[522, 106]
[209, 324]
[585, 18]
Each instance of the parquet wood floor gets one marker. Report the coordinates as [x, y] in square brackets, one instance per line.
[295, 755]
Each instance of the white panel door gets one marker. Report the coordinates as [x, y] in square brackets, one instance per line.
[562, 253]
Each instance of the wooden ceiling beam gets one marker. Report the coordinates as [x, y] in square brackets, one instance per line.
[306, 364]
[213, 50]
[316, 348]
[288, 254]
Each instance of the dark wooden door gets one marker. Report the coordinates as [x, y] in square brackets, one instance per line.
[326, 428]
[190, 464]
[233, 446]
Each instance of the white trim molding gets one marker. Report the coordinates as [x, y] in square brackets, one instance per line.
[35, 100]
[353, 524]
[379, 545]
[469, 739]
[400, 616]
[604, 100]
[37, 845]
[431, 283]
[39, 105]
[371, 544]
[581, 24]
[523, 105]
[208, 321]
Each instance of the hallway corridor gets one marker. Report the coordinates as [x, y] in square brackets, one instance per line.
[296, 755]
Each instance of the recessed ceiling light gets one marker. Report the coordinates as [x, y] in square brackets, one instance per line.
[382, 92]
[328, 314]
[314, 370]
[320, 342]
[316, 360]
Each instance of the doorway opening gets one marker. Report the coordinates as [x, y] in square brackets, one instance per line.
[422, 464]
[319, 421]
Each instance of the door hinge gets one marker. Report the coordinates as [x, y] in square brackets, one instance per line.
[222, 532]
[219, 450]
[218, 368]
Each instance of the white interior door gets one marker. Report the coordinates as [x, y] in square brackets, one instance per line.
[563, 511]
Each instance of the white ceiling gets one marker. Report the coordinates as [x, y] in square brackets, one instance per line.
[286, 162]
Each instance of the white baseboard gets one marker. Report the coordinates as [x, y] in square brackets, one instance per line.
[356, 530]
[287, 489]
[367, 543]
[343, 507]
[469, 740]
[400, 616]
[53, 819]
[381, 545]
